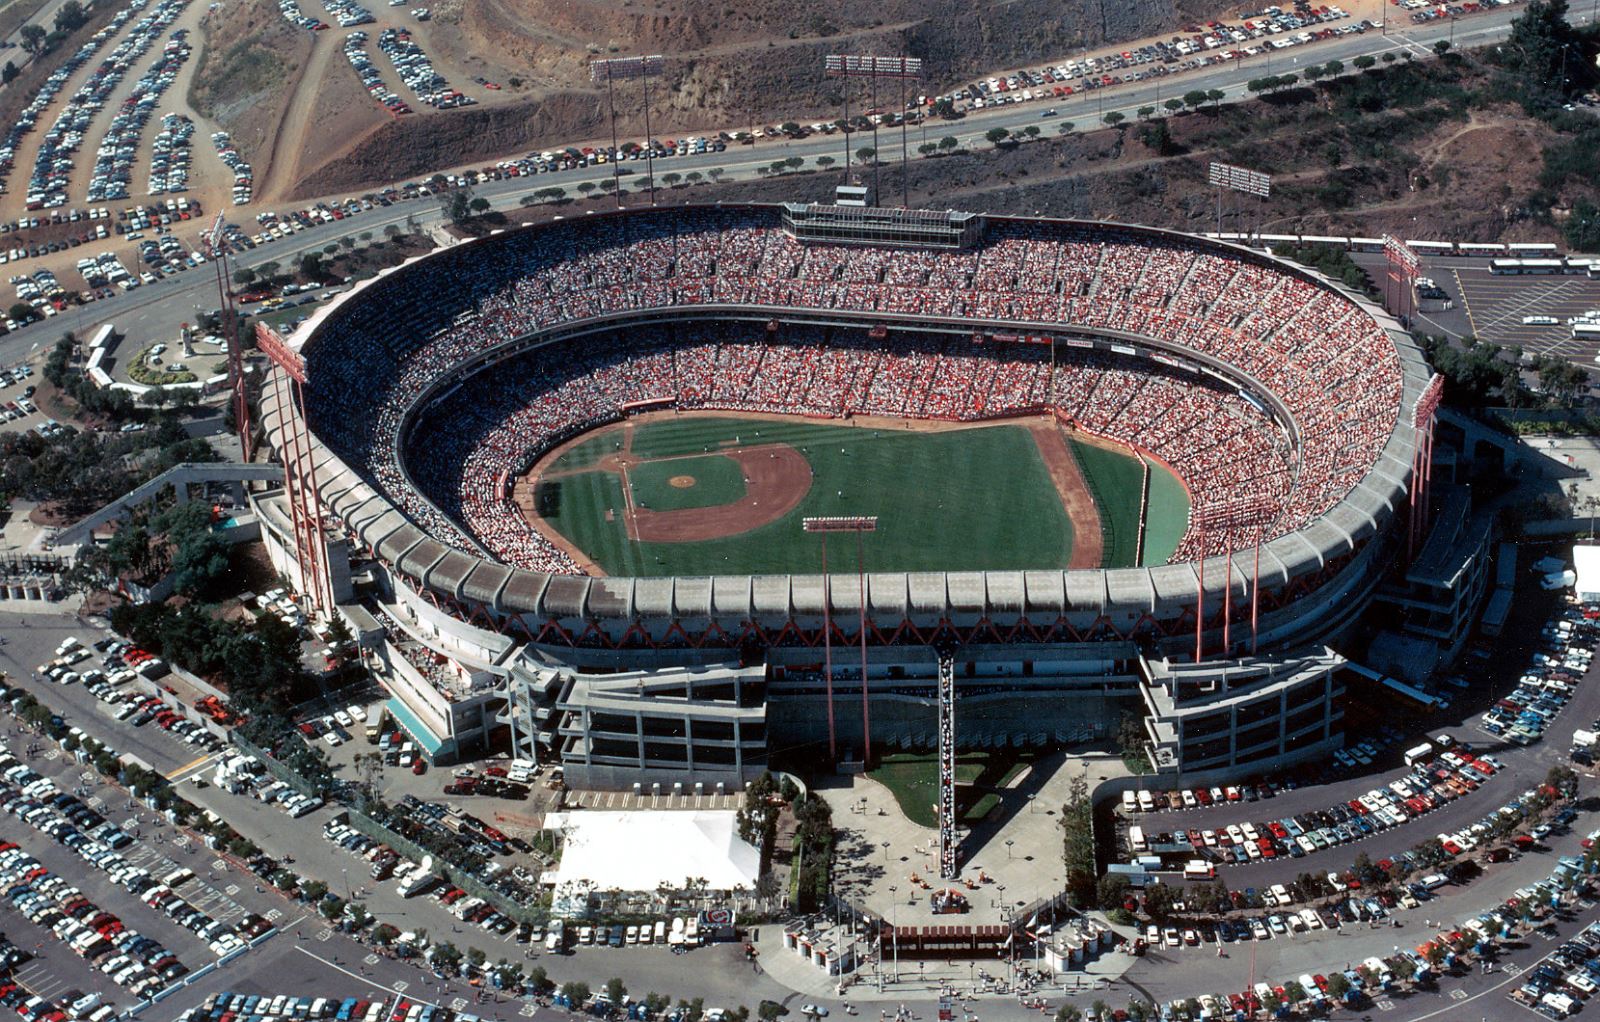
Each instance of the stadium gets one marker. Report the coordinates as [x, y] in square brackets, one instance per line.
[1108, 467]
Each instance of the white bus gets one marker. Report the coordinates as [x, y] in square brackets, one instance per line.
[102, 337]
[1136, 841]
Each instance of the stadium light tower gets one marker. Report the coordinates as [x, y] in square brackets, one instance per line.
[903, 69]
[860, 525]
[1226, 177]
[1422, 420]
[1241, 512]
[621, 69]
[216, 247]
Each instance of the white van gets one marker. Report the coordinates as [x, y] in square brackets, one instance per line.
[556, 936]
[1147, 802]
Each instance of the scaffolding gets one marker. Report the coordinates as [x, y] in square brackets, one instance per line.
[949, 867]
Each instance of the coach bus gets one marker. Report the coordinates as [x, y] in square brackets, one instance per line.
[1434, 248]
[1532, 248]
[1366, 244]
[102, 337]
[1519, 267]
[1479, 248]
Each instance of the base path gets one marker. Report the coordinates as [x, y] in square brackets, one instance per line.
[1088, 542]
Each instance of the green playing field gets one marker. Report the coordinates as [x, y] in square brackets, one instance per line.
[681, 483]
[952, 500]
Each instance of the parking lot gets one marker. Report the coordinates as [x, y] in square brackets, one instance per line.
[1495, 307]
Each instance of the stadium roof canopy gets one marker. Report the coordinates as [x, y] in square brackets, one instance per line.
[604, 851]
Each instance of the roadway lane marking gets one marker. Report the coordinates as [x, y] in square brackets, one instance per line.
[1457, 994]
[190, 766]
[398, 986]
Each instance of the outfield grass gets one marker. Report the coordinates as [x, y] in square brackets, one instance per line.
[913, 779]
[717, 480]
[1166, 518]
[587, 451]
[1117, 482]
[957, 500]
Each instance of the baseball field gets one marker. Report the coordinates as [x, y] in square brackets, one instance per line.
[712, 493]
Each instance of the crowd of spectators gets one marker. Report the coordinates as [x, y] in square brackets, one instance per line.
[376, 356]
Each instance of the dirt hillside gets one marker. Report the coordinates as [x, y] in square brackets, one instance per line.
[298, 113]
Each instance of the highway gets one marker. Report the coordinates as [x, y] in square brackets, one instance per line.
[157, 310]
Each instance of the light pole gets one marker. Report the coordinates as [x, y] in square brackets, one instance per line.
[894, 926]
[1009, 843]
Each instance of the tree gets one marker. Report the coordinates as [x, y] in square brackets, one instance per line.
[9, 73]
[794, 162]
[1077, 850]
[1216, 96]
[244, 275]
[949, 143]
[615, 991]
[1032, 131]
[1314, 72]
[479, 205]
[1112, 891]
[671, 178]
[928, 148]
[1194, 99]
[1145, 112]
[1334, 68]
[823, 162]
[199, 553]
[1365, 62]
[994, 136]
[32, 37]
[1065, 128]
[1441, 47]
[866, 154]
[313, 890]
[70, 16]
[1114, 119]
[585, 188]
[1338, 986]
[1069, 1012]
[1159, 900]
[576, 992]
[311, 266]
[1173, 105]
[22, 312]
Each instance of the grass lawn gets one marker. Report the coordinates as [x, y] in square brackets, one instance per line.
[959, 500]
[588, 451]
[913, 779]
[1166, 517]
[1117, 482]
[717, 480]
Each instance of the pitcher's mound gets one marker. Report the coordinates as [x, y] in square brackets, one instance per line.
[681, 482]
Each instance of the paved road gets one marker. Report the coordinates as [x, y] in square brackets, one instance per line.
[158, 310]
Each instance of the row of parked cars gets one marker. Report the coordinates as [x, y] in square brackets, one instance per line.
[243, 176]
[1202, 46]
[242, 774]
[140, 964]
[417, 71]
[348, 13]
[170, 155]
[52, 167]
[1567, 977]
[63, 817]
[231, 1007]
[1566, 648]
[1426, 787]
[55, 83]
[355, 51]
[112, 176]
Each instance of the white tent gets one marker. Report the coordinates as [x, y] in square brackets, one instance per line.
[641, 851]
[1586, 561]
